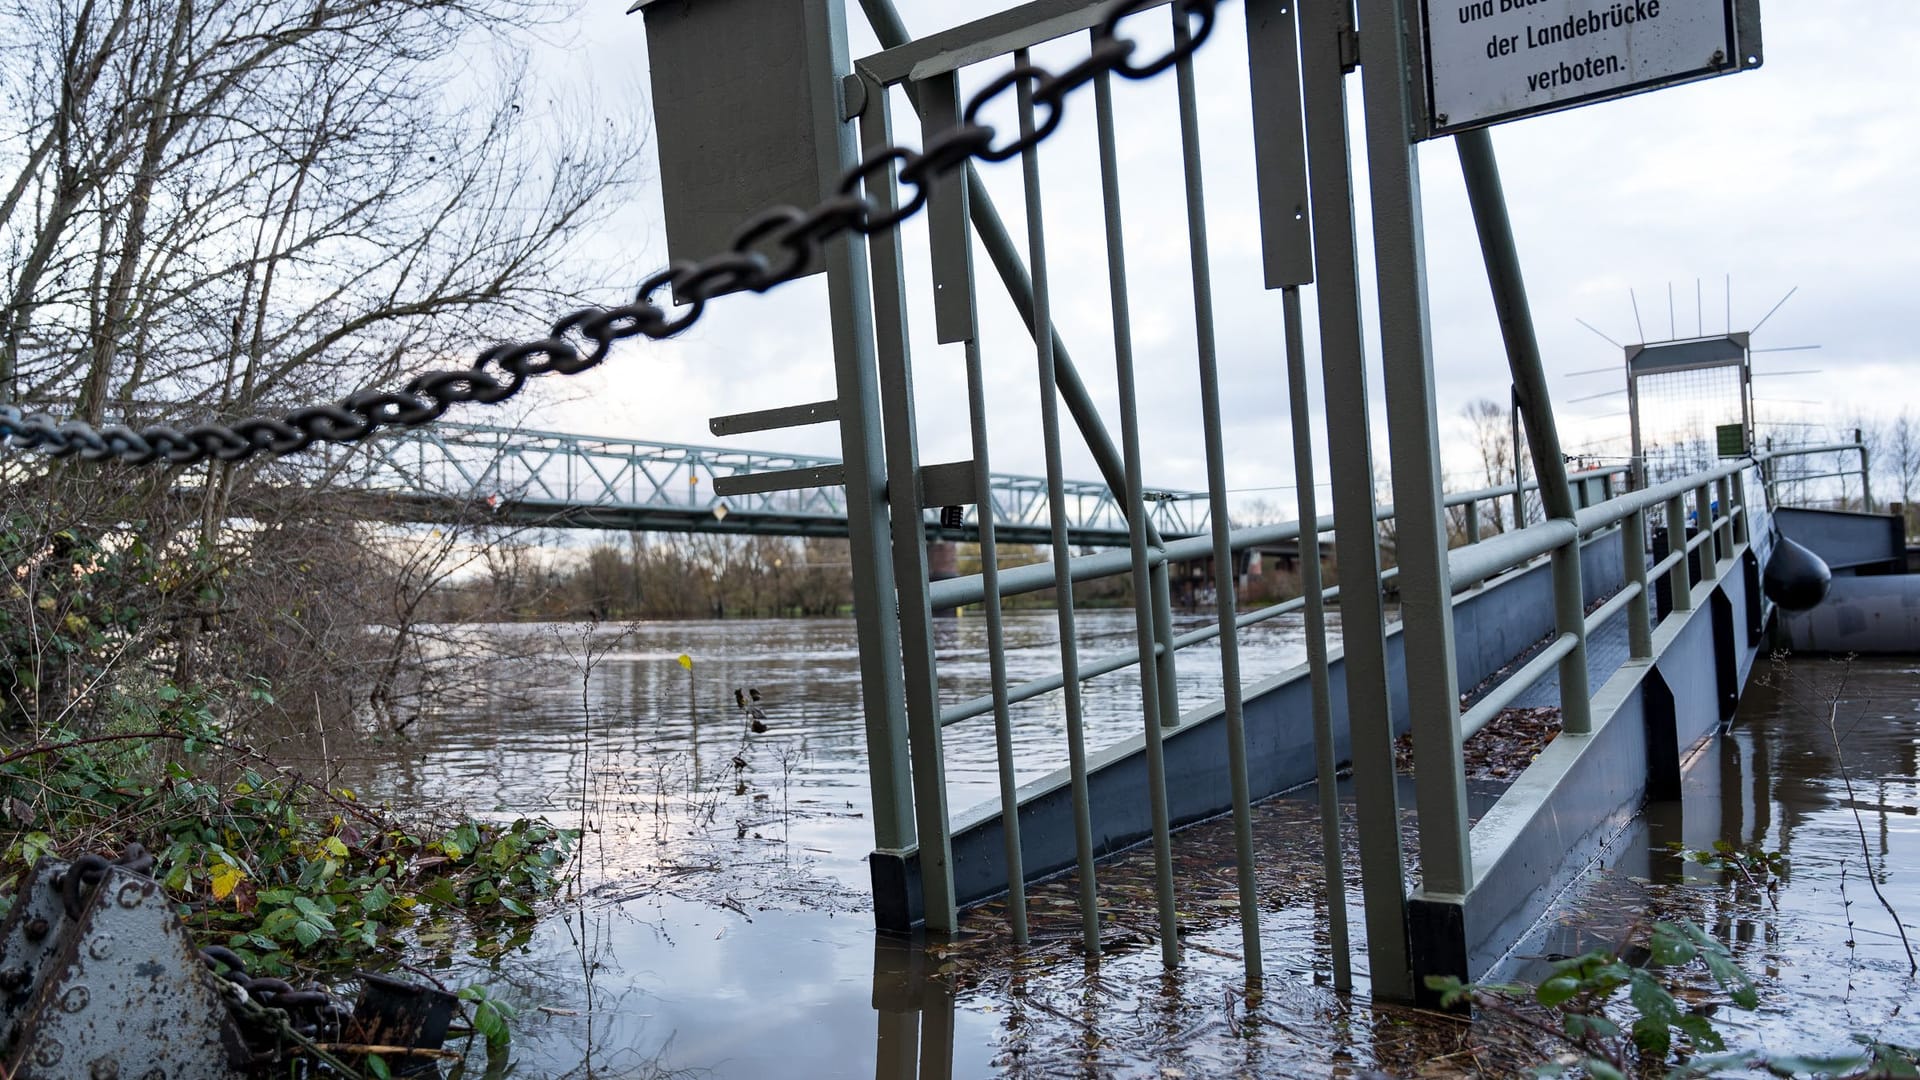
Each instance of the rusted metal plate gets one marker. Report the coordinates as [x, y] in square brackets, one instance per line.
[126, 995]
[28, 938]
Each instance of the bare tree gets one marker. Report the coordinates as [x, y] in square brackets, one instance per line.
[213, 207]
[1491, 426]
[1901, 452]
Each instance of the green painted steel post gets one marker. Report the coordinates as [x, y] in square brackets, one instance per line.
[1703, 517]
[1149, 582]
[1741, 533]
[1325, 28]
[1056, 514]
[1413, 436]
[1225, 583]
[1326, 769]
[1633, 554]
[909, 534]
[863, 457]
[1680, 578]
[1725, 489]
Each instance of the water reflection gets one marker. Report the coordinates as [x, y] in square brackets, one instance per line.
[1828, 956]
[719, 925]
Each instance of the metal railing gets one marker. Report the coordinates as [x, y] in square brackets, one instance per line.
[616, 483]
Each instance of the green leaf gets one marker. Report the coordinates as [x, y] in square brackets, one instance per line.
[1670, 948]
[515, 907]
[1557, 991]
[1699, 1031]
[376, 900]
[378, 1068]
[306, 933]
[1602, 1070]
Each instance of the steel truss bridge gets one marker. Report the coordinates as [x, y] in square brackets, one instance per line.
[560, 480]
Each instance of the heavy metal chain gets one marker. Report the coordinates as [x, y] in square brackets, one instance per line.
[582, 339]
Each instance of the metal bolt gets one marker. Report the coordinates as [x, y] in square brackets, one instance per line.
[36, 928]
[49, 1053]
[131, 894]
[1719, 57]
[75, 999]
[105, 1069]
[100, 947]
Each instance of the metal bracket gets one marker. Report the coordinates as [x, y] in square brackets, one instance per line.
[786, 416]
[948, 484]
[779, 480]
[853, 97]
[1349, 42]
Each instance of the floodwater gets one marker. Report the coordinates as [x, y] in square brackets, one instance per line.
[719, 925]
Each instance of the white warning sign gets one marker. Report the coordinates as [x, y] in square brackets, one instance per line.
[1494, 60]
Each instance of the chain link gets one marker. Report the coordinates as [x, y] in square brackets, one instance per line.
[583, 339]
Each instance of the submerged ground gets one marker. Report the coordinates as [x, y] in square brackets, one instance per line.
[718, 928]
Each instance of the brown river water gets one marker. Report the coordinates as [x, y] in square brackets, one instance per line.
[718, 925]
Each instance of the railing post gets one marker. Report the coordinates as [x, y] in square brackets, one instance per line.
[1703, 517]
[1680, 578]
[1742, 533]
[1724, 488]
[1633, 553]
[1473, 521]
[1866, 480]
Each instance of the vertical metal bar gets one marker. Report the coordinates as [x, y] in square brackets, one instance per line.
[996, 646]
[909, 533]
[1166, 676]
[848, 290]
[1680, 578]
[1703, 515]
[1519, 481]
[1531, 399]
[1325, 26]
[1057, 516]
[1725, 489]
[957, 318]
[1225, 581]
[1325, 768]
[1866, 474]
[1473, 521]
[1149, 590]
[1413, 431]
[1633, 553]
[1741, 533]
[1637, 461]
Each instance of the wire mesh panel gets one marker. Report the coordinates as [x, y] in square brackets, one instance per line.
[1690, 404]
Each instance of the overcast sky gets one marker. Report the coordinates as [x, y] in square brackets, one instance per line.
[1803, 173]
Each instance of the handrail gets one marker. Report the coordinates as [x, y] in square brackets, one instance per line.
[1034, 577]
[1484, 559]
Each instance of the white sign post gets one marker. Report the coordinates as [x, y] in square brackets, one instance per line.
[1488, 61]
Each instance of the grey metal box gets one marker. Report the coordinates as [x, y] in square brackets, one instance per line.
[734, 94]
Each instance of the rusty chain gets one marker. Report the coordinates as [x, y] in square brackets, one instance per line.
[582, 339]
